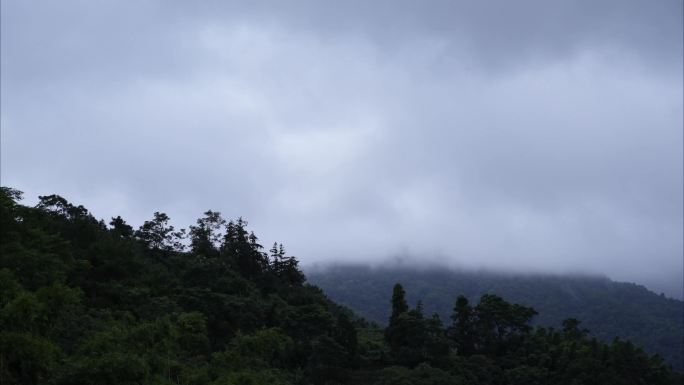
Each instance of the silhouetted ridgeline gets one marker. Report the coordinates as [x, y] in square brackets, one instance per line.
[86, 302]
[608, 309]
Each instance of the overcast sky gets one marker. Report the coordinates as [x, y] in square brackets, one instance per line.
[525, 135]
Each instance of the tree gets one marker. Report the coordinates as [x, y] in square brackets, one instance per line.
[290, 273]
[242, 250]
[30, 244]
[206, 237]
[399, 305]
[157, 234]
[121, 228]
[499, 324]
[26, 358]
[72, 222]
[462, 331]
[395, 330]
[9, 199]
[57, 205]
[80, 304]
[345, 335]
[411, 337]
[192, 334]
[276, 257]
[572, 330]
[436, 343]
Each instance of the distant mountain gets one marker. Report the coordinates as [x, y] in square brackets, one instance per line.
[83, 303]
[608, 309]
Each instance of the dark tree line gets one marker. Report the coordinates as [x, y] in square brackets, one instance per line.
[83, 302]
[494, 343]
[605, 307]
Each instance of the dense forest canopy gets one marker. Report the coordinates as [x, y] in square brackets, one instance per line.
[83, 301]
[609, 309]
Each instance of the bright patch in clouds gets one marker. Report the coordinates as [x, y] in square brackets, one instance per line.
[546, 140]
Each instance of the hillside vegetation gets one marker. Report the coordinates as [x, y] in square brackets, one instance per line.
[86, 302]
[608, 309]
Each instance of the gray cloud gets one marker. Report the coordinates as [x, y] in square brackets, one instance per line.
[529, 135]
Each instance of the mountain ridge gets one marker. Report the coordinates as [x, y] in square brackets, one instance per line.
[607, 308]
[82, 302]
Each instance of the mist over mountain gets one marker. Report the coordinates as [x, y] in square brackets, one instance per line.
[83, 302]
[539, 136]
[607, 308]
[671, 288]
[539, 140]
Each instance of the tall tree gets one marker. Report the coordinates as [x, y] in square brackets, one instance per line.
[206, 236]
[403, 326]
[121, 228]
[399, 304]
[157, 234]
[345, 335]
[462, 331]
[242, 249]
[501, 325]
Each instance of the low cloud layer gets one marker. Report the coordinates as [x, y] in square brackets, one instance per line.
[527, 136]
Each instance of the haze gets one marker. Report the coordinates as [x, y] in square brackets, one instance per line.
[530, 136]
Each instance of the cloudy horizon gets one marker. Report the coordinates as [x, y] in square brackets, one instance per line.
[530, 136]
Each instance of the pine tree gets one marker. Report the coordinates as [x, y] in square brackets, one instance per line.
[242, 249]
[399, 304]
[395, 331]
[462, 331]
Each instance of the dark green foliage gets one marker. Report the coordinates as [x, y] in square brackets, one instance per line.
[206, 237]
[121, 228]
[399, 305]
[423, 374]
[500, 326]
[505, 350]
[157, 234]
[411, 337]
[345, 335]
[572, 330]
[81, 303]
[462, 332]
[608, 309]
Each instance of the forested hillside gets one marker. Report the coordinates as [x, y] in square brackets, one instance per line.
[84, 301]
[609, 309]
